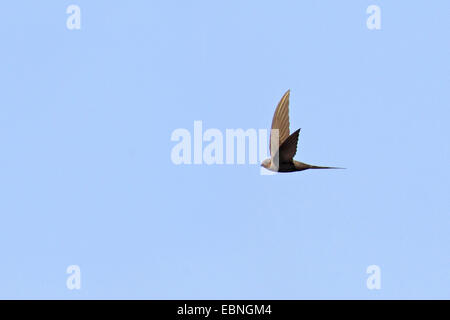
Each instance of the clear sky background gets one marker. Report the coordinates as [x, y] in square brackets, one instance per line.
[87, 179]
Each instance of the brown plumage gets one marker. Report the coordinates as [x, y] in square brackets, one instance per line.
[283, 146]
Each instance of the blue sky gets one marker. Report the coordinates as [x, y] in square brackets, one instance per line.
[86, 176]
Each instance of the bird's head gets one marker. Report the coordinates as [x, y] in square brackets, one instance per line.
[266, 163]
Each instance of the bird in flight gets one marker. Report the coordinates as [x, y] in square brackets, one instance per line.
[283, 146]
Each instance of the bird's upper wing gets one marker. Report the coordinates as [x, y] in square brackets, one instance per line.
[288, 149]
[280, 121]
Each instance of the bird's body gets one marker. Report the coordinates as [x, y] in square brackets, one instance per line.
[283, 146]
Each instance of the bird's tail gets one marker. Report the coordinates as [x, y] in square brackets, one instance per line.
[304, 166]
[320, 167]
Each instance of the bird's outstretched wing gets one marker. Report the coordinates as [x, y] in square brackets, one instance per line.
[280, 122]
[287, 150]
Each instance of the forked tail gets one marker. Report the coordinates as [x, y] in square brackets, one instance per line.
[304, 166]
[319, 167]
